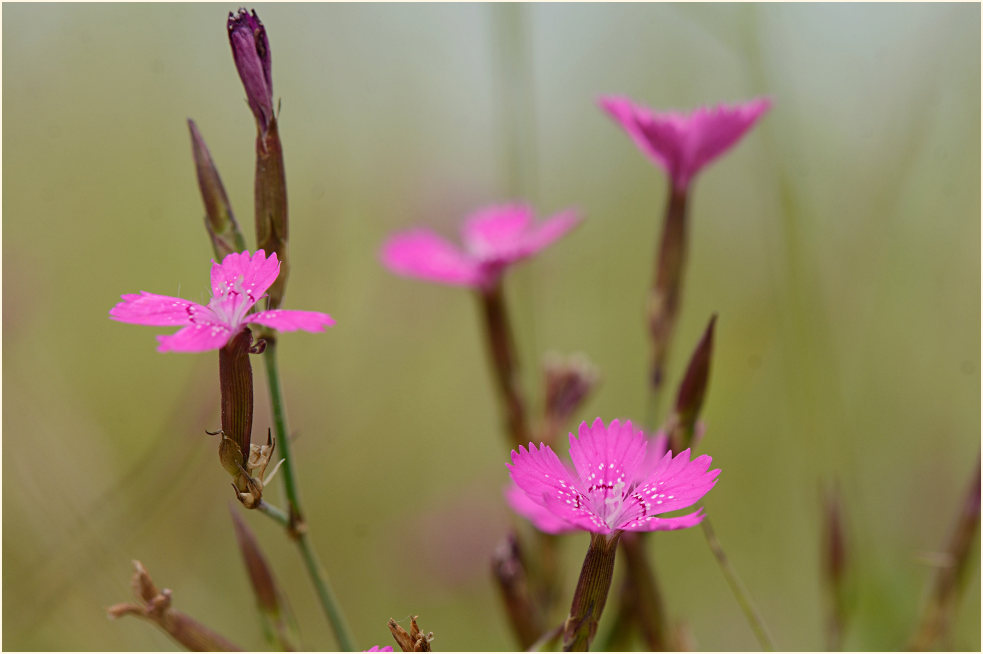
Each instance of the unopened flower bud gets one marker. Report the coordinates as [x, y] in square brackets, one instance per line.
[219, 220]
[692, 391]
[251, 52]
[268, 597]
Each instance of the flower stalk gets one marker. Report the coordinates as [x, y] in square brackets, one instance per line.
[504, 362]
[296, 527]
[591, 593]
[737, 587]
[666, 293]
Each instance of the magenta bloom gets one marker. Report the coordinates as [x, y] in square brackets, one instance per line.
[684, 143]
[493, 238]
[376, 648]
[614, 486]
[238, 283]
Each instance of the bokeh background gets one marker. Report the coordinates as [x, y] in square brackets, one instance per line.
[839, 244]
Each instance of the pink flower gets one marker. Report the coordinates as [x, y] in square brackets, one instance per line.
[613, 487]
[493, 238]
[238, 283]
[683, 143]
[376, 648]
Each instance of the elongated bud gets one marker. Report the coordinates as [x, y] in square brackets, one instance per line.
[834, 566]
[219, 219]
[591, 593]
[692, 391]
[510, 575]
[155, 606]
[264, 587]
[251, 53]
[270, 195]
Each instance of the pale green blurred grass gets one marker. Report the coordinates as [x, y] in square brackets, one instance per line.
[839, 244]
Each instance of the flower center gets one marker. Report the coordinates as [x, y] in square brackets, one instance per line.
[231, 305]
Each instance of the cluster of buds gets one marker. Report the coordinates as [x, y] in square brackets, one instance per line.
[155, 606]
[413, 640]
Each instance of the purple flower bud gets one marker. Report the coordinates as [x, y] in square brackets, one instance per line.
[251, 52]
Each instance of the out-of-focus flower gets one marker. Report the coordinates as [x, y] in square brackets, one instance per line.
[684, 143]
[376, 648]
[493, 238]
[251, 52]
[237, 284]
[612, 488]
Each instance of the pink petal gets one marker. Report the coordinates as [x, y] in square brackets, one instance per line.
[161, 310]
[195, 338]
[678, 483]
[288, 320]
[684, 143]
[607, 457]
[546, 481]
[717, 130]
[547, 232]
[494, 232]
[623, 111]
[256, 273]
[657, 447]
[376, 648]
[425, 255]
[541, 517]
[653, 523]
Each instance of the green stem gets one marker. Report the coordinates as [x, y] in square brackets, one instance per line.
[276, 513]
[740, 592]
[295, 525]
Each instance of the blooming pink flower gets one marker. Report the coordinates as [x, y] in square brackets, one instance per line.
[684, 143]
[376, 648]
[238, 283]
[493, 238]
[612, 487]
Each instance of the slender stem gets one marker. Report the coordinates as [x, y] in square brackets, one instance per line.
[740, 592]
[505, 364]
[666, 293]
[276, 513]
[591, 593]
[296, 527]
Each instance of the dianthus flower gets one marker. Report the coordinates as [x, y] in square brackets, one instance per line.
[238, 283]
[548, 522]
[493, 238]
[615, 485]
[683, 143]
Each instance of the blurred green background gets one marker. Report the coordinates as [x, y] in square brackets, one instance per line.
[839, 244]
